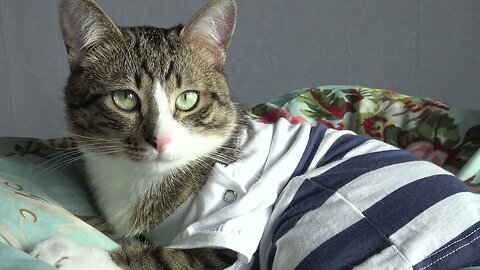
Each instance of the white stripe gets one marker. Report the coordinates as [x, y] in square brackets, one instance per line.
[331, 136]
[433, 228]
[282, 203]
[389, 258]
[313, 229]
[373, 186]
[368, 147]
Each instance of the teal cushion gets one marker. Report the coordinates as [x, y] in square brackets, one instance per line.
[40, 196]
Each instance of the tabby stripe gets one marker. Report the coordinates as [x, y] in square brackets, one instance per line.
[147, 71]
[89, 101]
[136, 45]
[178, 80]
[138, 80]
[218, 99]
[161, 259]
[169, 71]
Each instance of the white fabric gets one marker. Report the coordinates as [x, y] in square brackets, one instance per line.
[208, 221]
[311, 236]
[371, 187]
[429, 229]
[330, 137]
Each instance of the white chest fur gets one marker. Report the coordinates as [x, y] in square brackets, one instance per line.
[118, 186]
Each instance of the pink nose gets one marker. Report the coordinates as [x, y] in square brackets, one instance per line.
[161, 144]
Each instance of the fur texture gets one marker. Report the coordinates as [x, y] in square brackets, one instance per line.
[136, 182]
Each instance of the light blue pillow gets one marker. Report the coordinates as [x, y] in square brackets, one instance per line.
[40, 197]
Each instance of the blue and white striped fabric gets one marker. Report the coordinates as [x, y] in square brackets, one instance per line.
[317, 198]
[359, 203]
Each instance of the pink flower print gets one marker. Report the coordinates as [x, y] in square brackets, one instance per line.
[426, 151]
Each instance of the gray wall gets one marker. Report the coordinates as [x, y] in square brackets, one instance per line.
[427, 48]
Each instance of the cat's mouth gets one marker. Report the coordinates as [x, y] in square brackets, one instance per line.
[165, 158]
[151, 155]
[142, 155]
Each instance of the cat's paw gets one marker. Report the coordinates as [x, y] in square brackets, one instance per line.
[67, 255]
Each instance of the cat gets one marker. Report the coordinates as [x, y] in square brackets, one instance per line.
[171, 158]
[157, 102]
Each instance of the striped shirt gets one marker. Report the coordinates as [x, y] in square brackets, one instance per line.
[315, 198]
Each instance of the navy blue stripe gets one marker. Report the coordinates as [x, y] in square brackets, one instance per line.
[404, 204]
[313, 193]
[255, 265]
[308, 197]
[318, 193]
[341, 147]
[316, 136]
[455, 255]
[347, 249]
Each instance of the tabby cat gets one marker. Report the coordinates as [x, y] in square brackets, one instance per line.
[157, 102]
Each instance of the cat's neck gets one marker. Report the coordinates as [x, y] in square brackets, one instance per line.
[134, 198]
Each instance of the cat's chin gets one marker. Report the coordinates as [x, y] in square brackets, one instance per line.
[149, 163]
[163, 166]
[161, 163]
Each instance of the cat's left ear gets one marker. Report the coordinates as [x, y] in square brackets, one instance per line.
[211, 29]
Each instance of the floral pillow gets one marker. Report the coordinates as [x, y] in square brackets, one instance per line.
[446, 136]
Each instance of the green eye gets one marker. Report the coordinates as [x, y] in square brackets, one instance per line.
[187, 100]
[125, 99]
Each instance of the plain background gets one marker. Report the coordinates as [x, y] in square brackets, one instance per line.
[427, 48]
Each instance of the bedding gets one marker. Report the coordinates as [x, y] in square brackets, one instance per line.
[42, 183]
[448, 137]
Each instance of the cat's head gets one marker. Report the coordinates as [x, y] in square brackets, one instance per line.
[148, 94]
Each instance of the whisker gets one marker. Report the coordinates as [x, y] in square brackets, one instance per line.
[59, 156]
[65, 163]
[86, 144]
[223, 155]
[91, 138]
[236, 150]
[221, 158]
[202, 163]
[58, 161]
[52, 168]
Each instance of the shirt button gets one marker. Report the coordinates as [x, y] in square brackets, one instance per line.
[229, 196]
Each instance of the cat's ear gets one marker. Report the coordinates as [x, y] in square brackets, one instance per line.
[84, 24]
[211, 29]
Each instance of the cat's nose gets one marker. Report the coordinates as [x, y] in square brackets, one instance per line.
[161, 143]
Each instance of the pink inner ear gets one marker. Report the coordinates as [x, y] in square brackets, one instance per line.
[83, 23]
[71, 34]
[213, 29]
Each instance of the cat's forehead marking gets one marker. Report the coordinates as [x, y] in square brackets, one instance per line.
[161, 99]
[164, 122]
